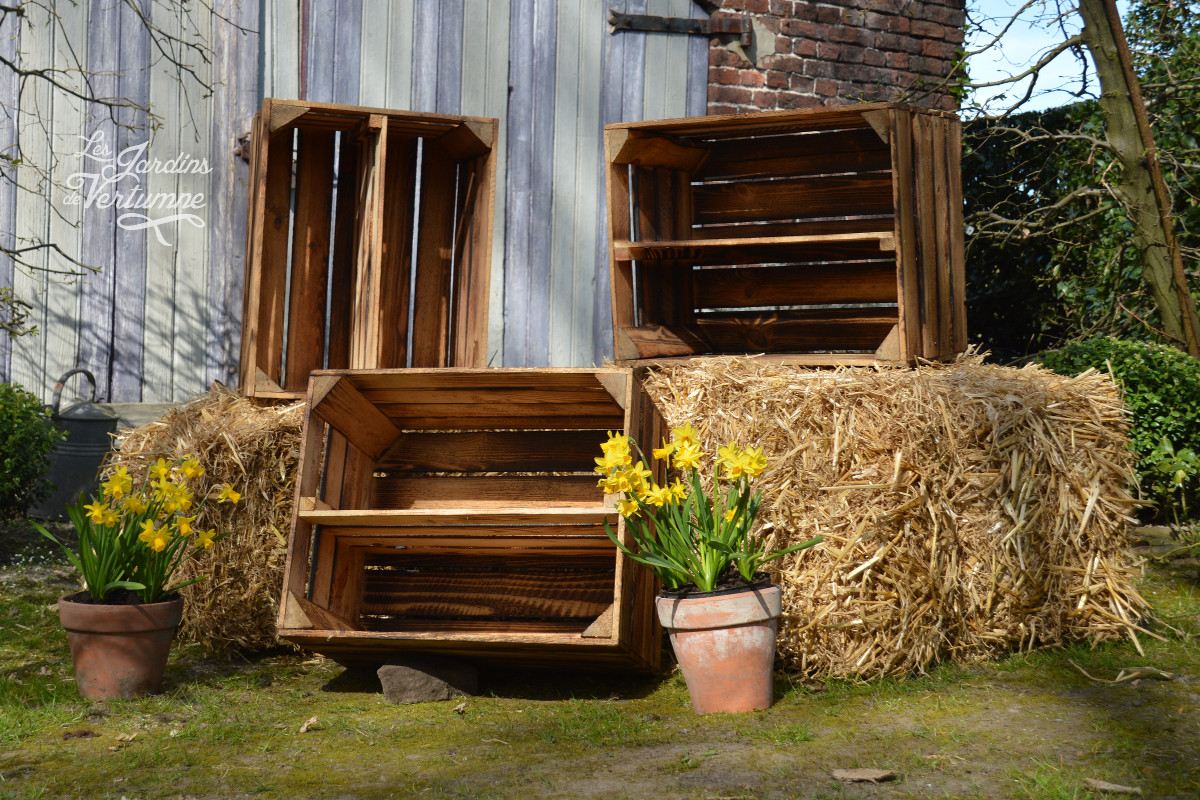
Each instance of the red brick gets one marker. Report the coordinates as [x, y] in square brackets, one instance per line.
[860, 36]
[921, 27]
[825, 87]
[804, 27]
[816, 68]
[828, 14]
[799, 101]
[874, 58]
[789, 62]
[724, 57]
[777, 79]
[897, 59]
[730, 94]
[800, 84]
[766, 99]
[805, 47]
[829, 51]
[752, 78]
[886, 22]
[936, 49]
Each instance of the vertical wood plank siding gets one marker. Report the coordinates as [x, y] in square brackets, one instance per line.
[162, 322]
[10, 33]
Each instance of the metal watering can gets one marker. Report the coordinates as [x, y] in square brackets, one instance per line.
[75, 463]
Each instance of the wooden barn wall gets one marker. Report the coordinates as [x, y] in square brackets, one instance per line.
[160, 323]
[156, 322]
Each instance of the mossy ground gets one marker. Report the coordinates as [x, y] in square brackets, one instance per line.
[1030, 726]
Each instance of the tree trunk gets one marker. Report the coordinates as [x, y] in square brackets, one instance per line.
[1134, 187]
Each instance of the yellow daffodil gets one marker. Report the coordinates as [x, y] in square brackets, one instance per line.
[729, 457]
[658, 495]
[616, 449]
[135, 504]
[184, 525]
[611, 484]
[730, 514]
[753, 461]
[156, 540]
[678, 491]
[118, 485]
[688, 456]
[160, 469]
[685, 434]
[96, 511]
[611, 461]
[665, 450]
[205, 538]
[228, 494]
[191, 467]
[628, 508]
[110, 518]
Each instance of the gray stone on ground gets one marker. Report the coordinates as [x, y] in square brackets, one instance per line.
[425, 679]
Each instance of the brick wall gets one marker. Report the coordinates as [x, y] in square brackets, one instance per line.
[809, 53]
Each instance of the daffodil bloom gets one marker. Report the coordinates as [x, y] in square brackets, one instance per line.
[611, 484]
[156, 540]
[665, 450]
[191, 467]
[118, 485]
[205, 538]
[678, 491]
[160, 469]
[753, 461]
[730, 514]
[184, 525]
[685, 434]
[688, 456]
[628, 508]
[611, 461]
[638, 473]
[228, 494]
[616, 449]
[135, 504]
[729, 457]
[96, 511]
[658, 495]
[110, 518]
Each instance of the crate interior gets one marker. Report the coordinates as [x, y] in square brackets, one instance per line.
[366, 218]
[763, 238]
[465, 501]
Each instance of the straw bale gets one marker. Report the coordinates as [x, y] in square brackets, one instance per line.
[255, 448]
[968, 509]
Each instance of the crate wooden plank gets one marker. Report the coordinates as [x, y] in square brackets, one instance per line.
[831, 247]
[342, 278]
[945, 292]
[431, 326]
[310, 246]
[267, 293]
[957, 232]
[473, 264]
[396, 257]
[927, 223]
[366, 324]
[819, 196]
[534, 520]
[853, 150]
[336, 399]
[741, 287]
[494, 491]
[493, 451]
[908, 268]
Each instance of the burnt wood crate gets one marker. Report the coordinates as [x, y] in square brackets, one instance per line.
[356, 216]
[455, 512]
[822, 236]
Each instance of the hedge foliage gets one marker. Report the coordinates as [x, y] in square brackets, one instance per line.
[27, 435]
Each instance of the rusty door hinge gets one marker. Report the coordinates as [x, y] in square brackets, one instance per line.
[621, 21]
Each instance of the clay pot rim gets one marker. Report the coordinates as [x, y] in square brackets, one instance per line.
[762, 580]
[72, 598]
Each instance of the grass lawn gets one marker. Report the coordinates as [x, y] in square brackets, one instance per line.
[286, 725]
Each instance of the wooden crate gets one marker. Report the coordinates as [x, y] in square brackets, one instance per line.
[456, 512]
[828, 235]
[350, 210]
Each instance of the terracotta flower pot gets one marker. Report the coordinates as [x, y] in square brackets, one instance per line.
[120, 651]
[724, 642]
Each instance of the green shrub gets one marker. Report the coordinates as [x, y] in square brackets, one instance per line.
[1161, 387]
[27, 435]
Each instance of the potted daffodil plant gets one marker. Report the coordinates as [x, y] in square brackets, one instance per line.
[717, 604]
[131, 543]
